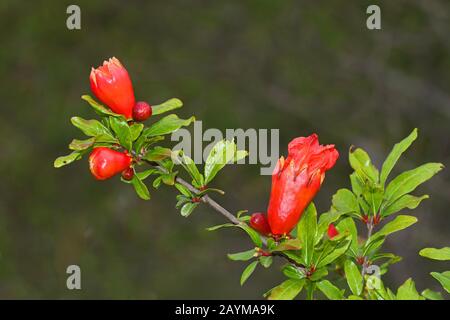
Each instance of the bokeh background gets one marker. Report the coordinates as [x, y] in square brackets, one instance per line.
[301, 66]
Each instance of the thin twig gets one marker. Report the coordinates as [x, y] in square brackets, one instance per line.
[217, 207]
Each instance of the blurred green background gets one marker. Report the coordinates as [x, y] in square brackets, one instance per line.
[301, 66]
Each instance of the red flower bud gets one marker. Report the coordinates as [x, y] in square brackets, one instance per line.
[128, 174]
[111, 84]
[296, 180]
[258, 221]
[332, 231]
[105, 163]
[141, 111]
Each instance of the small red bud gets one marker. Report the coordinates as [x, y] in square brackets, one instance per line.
[128, 174]
[376, 219]
[141, 111]
[258, 221]
[360, 260]
[332, 231]
[365, 218]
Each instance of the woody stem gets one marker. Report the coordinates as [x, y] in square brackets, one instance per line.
[217, 207]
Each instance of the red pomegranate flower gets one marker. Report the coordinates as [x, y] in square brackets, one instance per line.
[296, 180]
[111, 84]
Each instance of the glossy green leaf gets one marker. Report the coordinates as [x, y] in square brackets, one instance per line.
[167, 125]
[222, 153]
[361, 163]
[248, 271]
[185, 191]
[330, 290]
[188, 208]
[319, 274]
[290, 244]
[145, 174]
[79, 145]
[122, 130]
[432, 295]
[347, 226]
[293, 272]
[399, 223]
[220, 226]
[65, 160]
[287, 290]
[306, 231]
[254, 236]
[354, 277]
[99, 108]
[140, 188]
[436, 254]
[266, 261]
[189, 165]
[407, 291]
[136, 130]
[90, 128]
[168, 105]
[336, 250]
[406, 201]
[157, 154]
[242, 256]
[345, 201]
[395, 154]
[443, 278]
[408, 181]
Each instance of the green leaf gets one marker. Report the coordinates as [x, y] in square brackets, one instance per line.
[354, 277]
[443, 278]
[169, 105]
[432, 295]
[65, 160]
[291, 244]
[407, 291]
[252, 234]
[345, 201]
[287, 290]
[293, 272]
[306, 230]
[335, 251]
[222, 153]
[185, 191]
[143, 142]
[136, 130]
[90, 128]
[140, 188]
[265, 261]
[408, 181]
[188, 208]
[248, 271]
[361, 163]
[157, 154]
[242, 256]
[189, 165]
[145, 174]
[220, 226]
[166, 125]
[405, 201]
[347, 226]
[79, 145]
[122, 130]
[436, 254]
[352, 297]
[325, 219]
[99, 108]
[330, 290]
[395, 154]
[399, 223]
[319, 274]
[169, 178]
